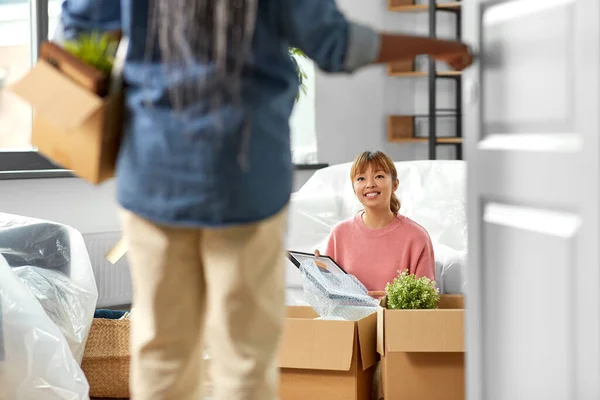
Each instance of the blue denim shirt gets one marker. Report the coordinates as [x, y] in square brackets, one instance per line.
[178, 171]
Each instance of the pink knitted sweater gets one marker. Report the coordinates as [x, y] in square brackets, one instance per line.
[375, 256]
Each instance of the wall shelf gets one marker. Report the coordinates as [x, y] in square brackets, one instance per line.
[439, 140]
[398, 6]
[418, 74]
[402, 128]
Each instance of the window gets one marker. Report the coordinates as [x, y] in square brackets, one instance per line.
[24, 24]
[15, 60]
[302, 122]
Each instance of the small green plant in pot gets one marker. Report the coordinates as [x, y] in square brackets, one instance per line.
[96, 50]
[407, 292]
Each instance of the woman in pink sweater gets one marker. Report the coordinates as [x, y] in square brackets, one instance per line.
[378, 242]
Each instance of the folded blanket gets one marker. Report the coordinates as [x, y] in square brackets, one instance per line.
[110, 314]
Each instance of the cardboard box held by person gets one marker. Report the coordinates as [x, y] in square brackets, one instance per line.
[327, 359]
[77, 99]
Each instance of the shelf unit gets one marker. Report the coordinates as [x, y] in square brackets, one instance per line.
[400, 7]
[401, 128]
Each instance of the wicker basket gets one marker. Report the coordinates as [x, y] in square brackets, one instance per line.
[106, 358]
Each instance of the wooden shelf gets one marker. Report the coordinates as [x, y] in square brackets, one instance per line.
[442, 140]
[407, 128]
[439, 114]
[455, 5]
[401, 130]
[417, 74]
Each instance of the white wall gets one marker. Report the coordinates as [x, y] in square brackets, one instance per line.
[70, 201]
[352, 110]
[73, 202]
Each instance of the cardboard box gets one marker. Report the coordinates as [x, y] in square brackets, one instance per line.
[72, 126]
[326, 359]
[423, 351]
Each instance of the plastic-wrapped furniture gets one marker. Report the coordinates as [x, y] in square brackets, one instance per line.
[432, 193]
[35, 360]
[53, 263]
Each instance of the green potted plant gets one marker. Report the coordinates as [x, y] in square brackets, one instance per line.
[83, 124]
[96, 50]
[421, 334]
[294, 52]
[407, 292]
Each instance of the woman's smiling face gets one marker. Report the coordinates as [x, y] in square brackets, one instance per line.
[374, 188]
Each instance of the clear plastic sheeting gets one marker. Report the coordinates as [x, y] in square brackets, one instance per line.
[450, 266]
[53, 262]
[335, 295]
[65, 303]
[35, 360]
[432, 193]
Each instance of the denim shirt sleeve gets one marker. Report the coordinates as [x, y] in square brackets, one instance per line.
[319, 28]
[79, 16]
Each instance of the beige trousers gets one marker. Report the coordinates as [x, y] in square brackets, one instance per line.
[225, 287]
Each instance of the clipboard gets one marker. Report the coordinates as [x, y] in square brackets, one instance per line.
[326, 263]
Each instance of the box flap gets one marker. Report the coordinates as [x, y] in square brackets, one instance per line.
[380, 327]
[367, 340]
[424, 330]
[61, 101]
[317, 344]
[304, 312]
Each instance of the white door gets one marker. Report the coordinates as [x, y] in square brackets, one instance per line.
[532, 109]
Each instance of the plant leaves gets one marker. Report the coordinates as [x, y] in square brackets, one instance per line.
[94, 49]
[409, 292]
[295, 52]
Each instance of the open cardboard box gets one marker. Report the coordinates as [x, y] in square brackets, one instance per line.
[422, 351]
[327, 359]
[73, 126]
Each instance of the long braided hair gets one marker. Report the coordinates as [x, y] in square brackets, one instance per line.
[189, 32]
[194, 34]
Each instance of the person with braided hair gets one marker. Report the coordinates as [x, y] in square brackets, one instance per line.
[204, 173]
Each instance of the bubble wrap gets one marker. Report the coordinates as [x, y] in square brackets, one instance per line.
[335, 296]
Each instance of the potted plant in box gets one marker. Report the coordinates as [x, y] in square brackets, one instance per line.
[408, 292]
[96, 50]
[76, 93]
[420, 334]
